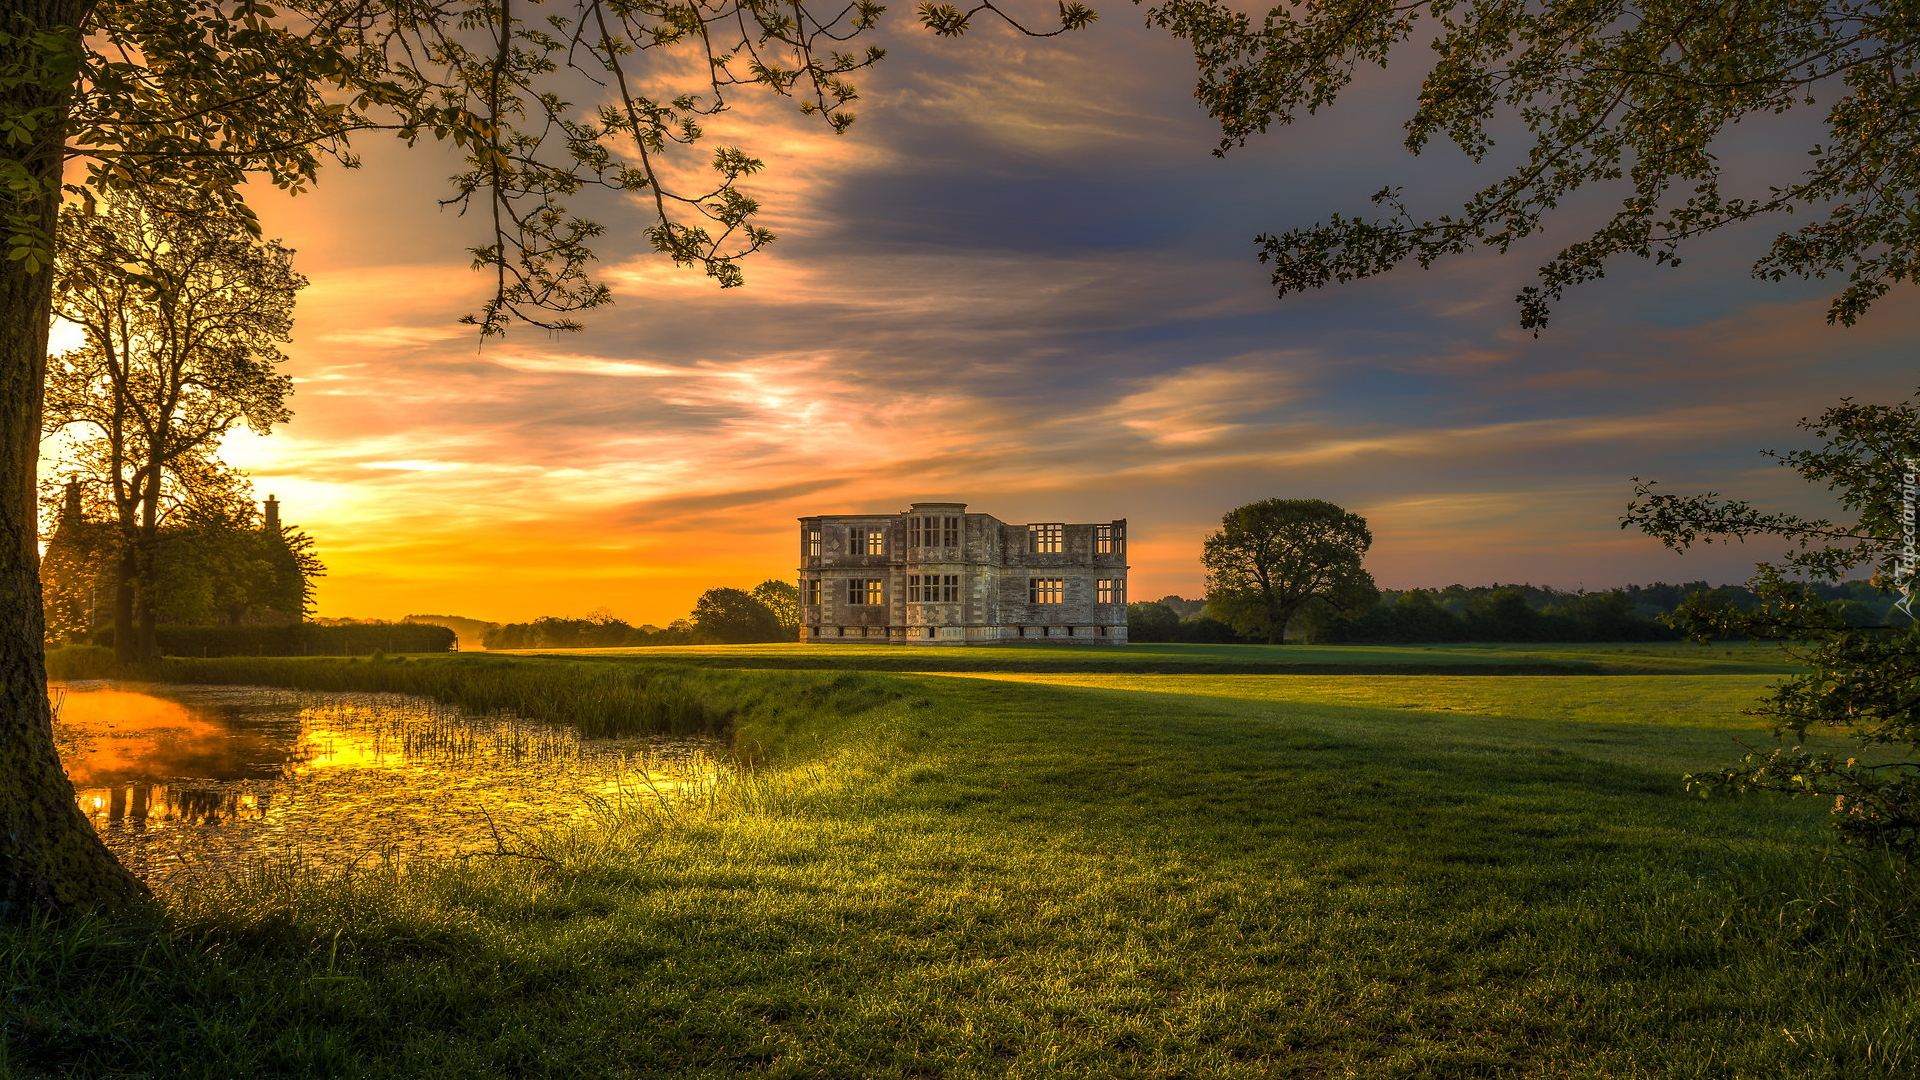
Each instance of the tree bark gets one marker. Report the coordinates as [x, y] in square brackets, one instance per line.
[125, 648]
[148, 548]
[51, 860]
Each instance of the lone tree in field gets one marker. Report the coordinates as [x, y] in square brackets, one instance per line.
[1864, 681]
[735, 616]
[183, 311]
[783, 599]
[1631, 97]
[202, 95]
[1271, 559]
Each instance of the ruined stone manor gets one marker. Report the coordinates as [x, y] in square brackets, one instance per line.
[937, 575]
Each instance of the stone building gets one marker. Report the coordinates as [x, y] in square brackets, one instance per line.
[937, 575]
[245, 572]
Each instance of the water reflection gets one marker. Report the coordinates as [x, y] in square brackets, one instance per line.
[188, 780]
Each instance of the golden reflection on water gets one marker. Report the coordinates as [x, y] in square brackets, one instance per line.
[184, 781]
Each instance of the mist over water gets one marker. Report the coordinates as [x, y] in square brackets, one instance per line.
[193, 781]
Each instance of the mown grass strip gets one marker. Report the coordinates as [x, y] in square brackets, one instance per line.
[1630, 658]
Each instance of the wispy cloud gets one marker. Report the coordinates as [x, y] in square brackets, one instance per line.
[1020, 281]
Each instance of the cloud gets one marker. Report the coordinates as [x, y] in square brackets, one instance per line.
[1020, 281]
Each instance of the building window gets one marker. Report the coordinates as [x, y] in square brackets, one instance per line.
[866, 542]
[813, 544]
[933, 532]
[933, 588]
[810, 591]
[1111, 590]
[1045, 539]
[1109, 539]
[866, 591]
[1045, 590]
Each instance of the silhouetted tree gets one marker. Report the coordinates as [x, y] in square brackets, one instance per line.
[1271, 558]
[734, 616]
[1636, 95]
[183, 312]
[1151, 620]
[783, 599]
[1864, 681]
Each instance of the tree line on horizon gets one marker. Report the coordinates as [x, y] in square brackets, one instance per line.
[770, 611]
[1500, 613]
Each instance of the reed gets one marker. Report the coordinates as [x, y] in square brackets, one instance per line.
[761, 709]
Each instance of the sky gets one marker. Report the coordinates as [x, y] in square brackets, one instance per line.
[1022, 281]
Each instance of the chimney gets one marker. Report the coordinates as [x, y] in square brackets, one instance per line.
[272, 509]
[70, 514]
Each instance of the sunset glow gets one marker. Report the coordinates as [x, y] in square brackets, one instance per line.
[1020, 281]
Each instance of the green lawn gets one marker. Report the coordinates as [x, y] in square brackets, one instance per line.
[1027, 874]
[1624, 658]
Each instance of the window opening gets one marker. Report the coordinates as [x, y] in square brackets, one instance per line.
[1045, 590]
[1045, 539]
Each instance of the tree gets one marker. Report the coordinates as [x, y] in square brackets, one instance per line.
[783, 599]
[200, 95]
[183, 312]
[1863, 681]
[1271, 558]
[1151, 620]
[1634, 95]
[734, 616]
[221, 564]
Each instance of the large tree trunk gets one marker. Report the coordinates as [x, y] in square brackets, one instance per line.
[50, 858]
[148, 593]
[126, 648]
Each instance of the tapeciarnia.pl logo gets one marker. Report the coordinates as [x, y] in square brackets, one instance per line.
[1909, 534]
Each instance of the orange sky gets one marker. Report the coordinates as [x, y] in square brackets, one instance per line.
[1021, 282]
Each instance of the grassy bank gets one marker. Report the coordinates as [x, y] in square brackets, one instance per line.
[1025, 877]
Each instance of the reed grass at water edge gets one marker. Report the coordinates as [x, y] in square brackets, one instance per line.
[758, 708]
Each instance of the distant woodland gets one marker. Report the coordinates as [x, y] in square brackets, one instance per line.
[770, 611]
[1498, 613]
[1494, 613]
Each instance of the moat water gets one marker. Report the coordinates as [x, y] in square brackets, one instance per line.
[185, 782]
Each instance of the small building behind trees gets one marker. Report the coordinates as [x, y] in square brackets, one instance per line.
[247, 569]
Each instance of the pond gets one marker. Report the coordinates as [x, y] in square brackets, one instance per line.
[191, 781]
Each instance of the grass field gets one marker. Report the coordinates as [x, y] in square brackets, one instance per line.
[1102, 873]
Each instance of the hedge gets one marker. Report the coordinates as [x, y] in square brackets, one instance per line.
[303, 639]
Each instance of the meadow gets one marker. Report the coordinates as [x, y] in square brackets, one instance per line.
[1031, 871]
